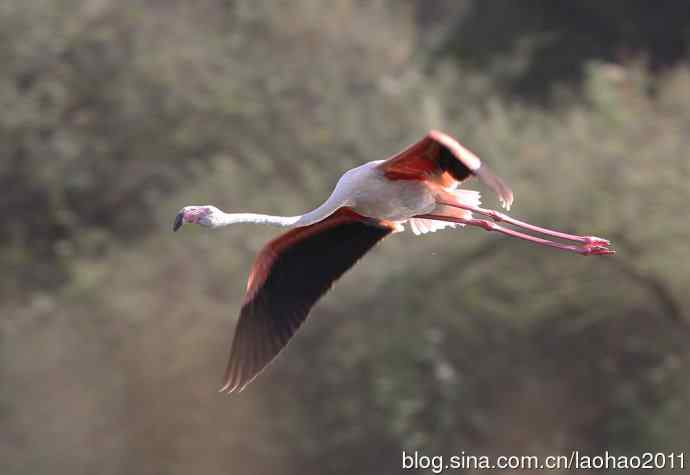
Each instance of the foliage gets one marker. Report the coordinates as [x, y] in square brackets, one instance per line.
[115, 331]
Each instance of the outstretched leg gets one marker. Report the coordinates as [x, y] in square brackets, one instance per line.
[447, 200]
[589, 248]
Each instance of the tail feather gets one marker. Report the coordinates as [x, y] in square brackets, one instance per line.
[466, 197]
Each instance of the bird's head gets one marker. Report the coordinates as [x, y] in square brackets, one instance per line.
[208, 216]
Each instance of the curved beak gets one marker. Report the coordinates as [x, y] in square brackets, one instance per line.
[179, 221]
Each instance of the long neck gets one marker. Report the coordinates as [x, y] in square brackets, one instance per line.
[314, 216]
[234, 218]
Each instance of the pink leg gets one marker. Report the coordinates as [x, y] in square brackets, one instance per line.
[500, 217]
[586, 250]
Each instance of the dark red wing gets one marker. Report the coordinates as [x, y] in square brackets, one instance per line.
[440, 158]
[289, 276]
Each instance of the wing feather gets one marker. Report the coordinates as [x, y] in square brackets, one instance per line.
[442, 159]
[289, 276]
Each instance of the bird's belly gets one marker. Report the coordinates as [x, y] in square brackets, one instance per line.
[395, 200]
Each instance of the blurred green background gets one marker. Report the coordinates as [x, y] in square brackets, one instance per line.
[114, 332]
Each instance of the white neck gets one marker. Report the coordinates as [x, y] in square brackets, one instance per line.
[330, 206]
[233, 218]
[319, 214]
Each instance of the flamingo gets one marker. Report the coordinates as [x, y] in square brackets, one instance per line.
[419, 187]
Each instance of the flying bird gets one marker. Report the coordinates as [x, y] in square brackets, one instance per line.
[418, 187]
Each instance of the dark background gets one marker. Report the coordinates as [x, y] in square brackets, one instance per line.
[114, 332]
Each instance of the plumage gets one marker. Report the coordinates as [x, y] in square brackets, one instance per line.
[289, 275]
[418, 186]
[440, 159]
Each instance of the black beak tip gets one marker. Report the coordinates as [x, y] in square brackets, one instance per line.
[178, 222]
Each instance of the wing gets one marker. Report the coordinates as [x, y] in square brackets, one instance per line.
[288, 277]
[441, 158]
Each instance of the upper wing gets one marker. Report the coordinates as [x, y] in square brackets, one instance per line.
[289, 275]
[441, 158]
